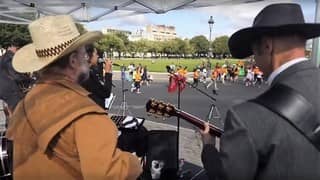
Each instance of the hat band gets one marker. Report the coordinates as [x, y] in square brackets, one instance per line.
[53, 51]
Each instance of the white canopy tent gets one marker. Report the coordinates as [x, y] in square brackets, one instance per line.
[315, 46]
[25, 11]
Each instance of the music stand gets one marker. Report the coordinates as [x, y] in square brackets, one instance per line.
[213, 113]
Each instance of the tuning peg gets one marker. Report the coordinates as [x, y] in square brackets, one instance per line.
[154, 104]
[159, 113]
[166, 115]
[161, 106]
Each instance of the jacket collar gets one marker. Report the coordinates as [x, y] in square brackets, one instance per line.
[62, 80]
[292, 70]
[283, 67]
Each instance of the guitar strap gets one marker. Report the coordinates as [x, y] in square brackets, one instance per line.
[294, 108]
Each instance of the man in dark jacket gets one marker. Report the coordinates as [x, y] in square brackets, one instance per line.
[99, 86]
[10, 92]
[259, 143]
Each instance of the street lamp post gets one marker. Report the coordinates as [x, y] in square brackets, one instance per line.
[210, 22]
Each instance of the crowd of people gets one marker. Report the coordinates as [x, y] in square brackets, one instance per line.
[244, 72]
[138, 75]
[60, 128]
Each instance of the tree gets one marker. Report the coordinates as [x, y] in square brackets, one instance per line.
[142, 46]
[220, 45]
[169, 47]
[181, 47]
[189, 49]
[13, 33]
[132, 48]
[111, 43]
[123, 37]
[200, 44]
[154, 48]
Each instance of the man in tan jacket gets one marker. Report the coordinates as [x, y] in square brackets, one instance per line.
[58, 132]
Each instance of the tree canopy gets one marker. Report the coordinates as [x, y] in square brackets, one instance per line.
[14, 34]
[111, 43]
[220, 45]
[200, 45]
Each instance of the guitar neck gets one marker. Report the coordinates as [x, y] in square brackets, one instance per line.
[214, 130]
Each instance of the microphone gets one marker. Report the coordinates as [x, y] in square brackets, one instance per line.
[101, 60]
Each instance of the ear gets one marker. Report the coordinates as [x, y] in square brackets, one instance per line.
[73, 60]
[267, 45]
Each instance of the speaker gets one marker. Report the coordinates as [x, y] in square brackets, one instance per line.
[162, 155]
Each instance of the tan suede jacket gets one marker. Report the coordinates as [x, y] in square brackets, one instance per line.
[59, 133]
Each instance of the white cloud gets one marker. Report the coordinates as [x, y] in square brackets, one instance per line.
[123, 20]
[240, 15]
[137, 20]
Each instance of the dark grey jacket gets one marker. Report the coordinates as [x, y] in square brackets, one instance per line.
[9, 90]
[100, 88]
[259, 144]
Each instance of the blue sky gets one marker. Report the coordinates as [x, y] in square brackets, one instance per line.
[192, 22]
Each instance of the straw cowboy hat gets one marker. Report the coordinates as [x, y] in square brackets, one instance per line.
[273, 19]
[53, 37]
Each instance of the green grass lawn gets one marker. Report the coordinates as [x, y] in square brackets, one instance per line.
[159, 65]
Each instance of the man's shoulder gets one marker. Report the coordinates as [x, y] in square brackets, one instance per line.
[59, 94]
[65, 102]
[251, 113]
[7, 57]
[244, 107]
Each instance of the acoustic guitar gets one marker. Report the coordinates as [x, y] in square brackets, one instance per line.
[160, 108]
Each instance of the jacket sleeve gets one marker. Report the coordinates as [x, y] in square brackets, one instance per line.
[108, 84]
[237, 158]
[212, 162]
[96, 140]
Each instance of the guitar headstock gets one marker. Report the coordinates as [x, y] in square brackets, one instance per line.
[159, 108]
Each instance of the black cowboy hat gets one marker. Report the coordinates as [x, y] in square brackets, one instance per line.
[273, 19]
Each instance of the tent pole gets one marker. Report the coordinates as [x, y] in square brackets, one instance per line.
[315, 57]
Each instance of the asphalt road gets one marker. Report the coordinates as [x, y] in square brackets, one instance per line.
[192, 101]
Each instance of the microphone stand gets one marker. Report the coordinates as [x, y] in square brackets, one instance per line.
[199, 90]
[178, 123]
[180, 81]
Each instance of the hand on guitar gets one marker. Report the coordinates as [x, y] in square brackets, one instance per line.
[207, 138]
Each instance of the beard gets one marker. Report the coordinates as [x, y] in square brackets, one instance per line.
[83, 77]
